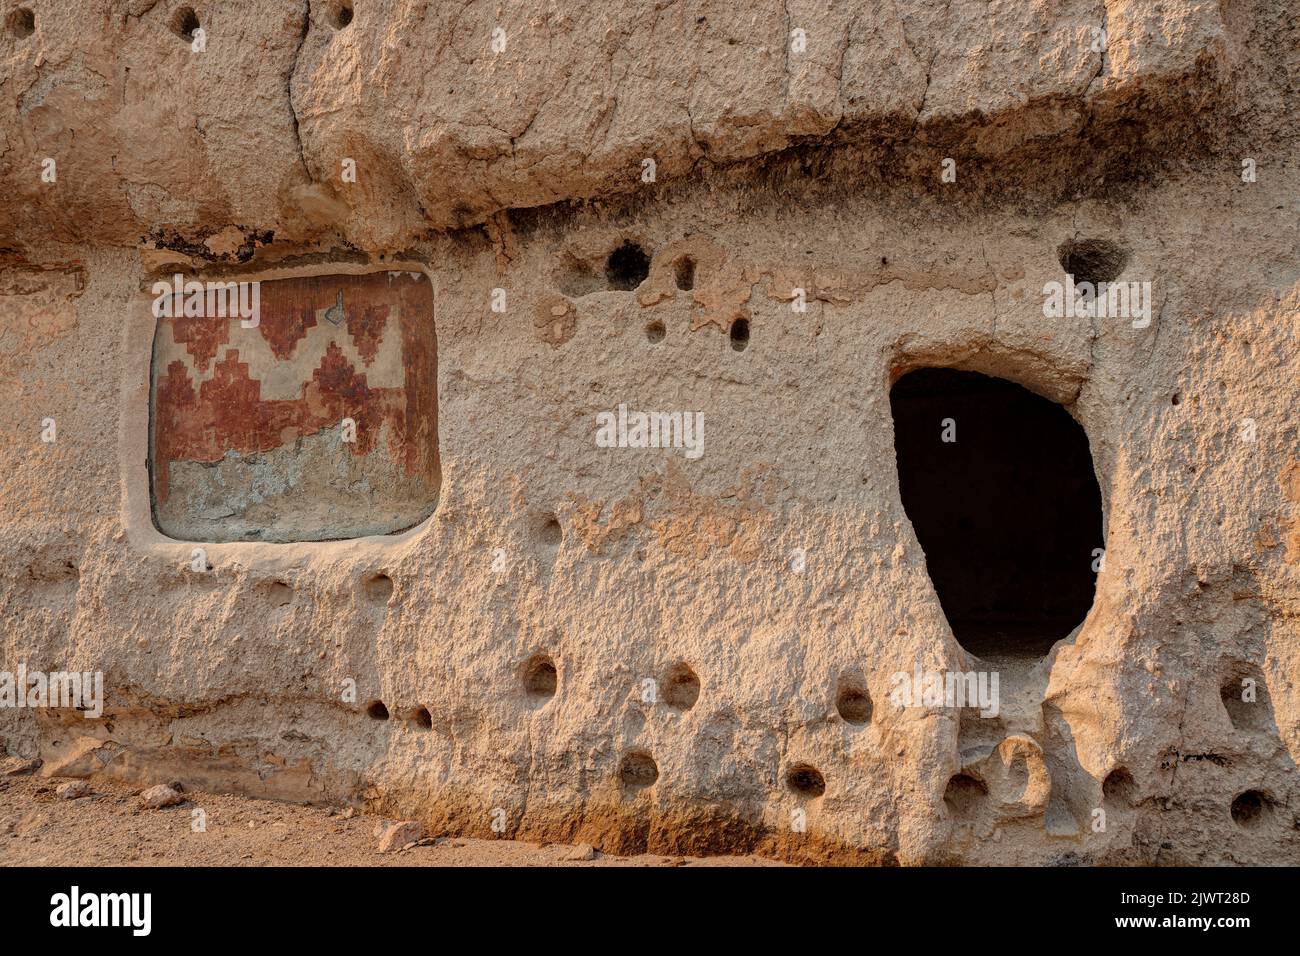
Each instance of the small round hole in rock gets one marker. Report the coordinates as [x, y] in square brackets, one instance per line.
[540, 678]
[422, 718]
[184, 22]
[852, 700]
[681, 687]
[627, 267]
[379, 588]
[1092, 260]
[655, 332]
[376, 710]
[341, 14]
[740, 335]
[964, 795]
[1118, 787]
[1250, 808]
[684, 273]
[280, 594]
[638, 771]
[21, 23]
[549, 532]
[805, 780]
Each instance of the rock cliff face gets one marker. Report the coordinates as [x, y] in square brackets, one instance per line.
[574, 477]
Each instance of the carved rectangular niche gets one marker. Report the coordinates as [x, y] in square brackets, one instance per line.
[319, 423]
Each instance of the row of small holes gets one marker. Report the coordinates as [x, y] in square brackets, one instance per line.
[639, 770]
[964, 791]
[184, 22]
[739, 334]
[420, 716]
[681, 690]
[540, 679]
[1091, 260]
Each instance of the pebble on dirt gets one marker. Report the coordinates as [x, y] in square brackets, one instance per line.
[579, 853]
[395, 836]
[155, 798]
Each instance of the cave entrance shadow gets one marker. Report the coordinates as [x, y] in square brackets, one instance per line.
[999, 485]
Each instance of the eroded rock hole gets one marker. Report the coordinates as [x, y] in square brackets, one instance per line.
[655, 332]
[184, 22]
[1245, 697]
[1119, 788]
[21, 23]
[638, 771]
[740, 335]
[421, 717]
[627, 267]
[806, 781]
[341, 14]
[852, 700]
[280, 594]
[540, 678]
[1092, 260]
[1250, 808]
[964, 795]
[684, 273]
[999, 486]
[548, 530]
[379, 588]
[376, 710]
[681, 687]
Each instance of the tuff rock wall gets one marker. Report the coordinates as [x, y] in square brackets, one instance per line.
[804, 250]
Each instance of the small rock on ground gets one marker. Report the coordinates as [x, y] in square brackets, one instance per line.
[576, 854]
[155, 798]
[395, 836]
[73, 790]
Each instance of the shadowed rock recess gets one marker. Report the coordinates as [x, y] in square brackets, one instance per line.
[376, 541]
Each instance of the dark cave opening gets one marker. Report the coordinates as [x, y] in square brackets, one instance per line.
[627, 267]
[999, 485]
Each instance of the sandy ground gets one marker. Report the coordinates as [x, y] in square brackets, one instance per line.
[109, 828]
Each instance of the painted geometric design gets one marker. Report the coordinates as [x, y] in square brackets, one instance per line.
[251, 427]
